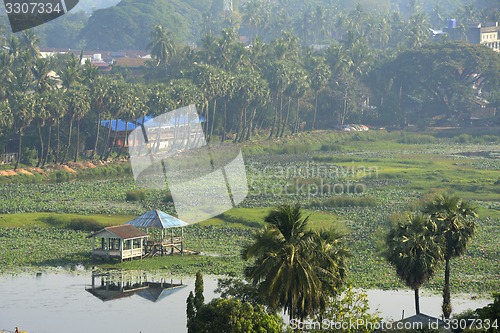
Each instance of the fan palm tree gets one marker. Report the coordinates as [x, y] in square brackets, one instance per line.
[455, 219]
[295, 268]
[413, 248]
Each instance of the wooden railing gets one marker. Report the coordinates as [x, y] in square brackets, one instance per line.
[9, 157]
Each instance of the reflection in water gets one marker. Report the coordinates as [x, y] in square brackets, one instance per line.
[58, 302]
[114, 285]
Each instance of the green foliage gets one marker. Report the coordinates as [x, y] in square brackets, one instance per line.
[199, 299]
[74, 223]
[411, 138]
[239, 289]
[84, 224]
[128, 24]
[345, 201]
[331, 147]
[293, 267]
[29, 156]
[485, 316]
[455, 220]
[415, 250]
[233, 316]
[351, 306]
[135, 195]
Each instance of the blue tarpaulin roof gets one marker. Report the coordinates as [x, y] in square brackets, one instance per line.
[121, 125]
[157, 219]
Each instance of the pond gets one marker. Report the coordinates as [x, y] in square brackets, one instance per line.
[54, 303]
[139, 302]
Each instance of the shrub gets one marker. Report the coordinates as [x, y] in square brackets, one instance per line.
[168, 198]
[417, 139]
[345, 201]
[55, 221]
[136, 195]
[464, 138]
[29, 156]
[84, 224]
[331, 147]
[297, 148]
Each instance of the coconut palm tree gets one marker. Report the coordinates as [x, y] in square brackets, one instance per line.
[319, 72]
[295, 268]
[456, 222]
[413, 248]
[162, 46]
[22, 106]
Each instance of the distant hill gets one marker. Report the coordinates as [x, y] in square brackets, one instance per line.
[128, 24]
[91, 5]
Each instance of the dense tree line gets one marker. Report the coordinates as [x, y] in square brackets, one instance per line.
[128, 24]
[272, 87]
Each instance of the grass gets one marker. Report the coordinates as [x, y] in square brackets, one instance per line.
[405, 169]
[41, 220]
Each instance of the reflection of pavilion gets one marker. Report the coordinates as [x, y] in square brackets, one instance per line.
[120, 284]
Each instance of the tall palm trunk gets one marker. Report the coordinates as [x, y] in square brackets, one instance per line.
[224, 122]
[251, 125]
[297, 121]
[124, 140]
[446, 290]
[274, 118]
[213, 120]
[40, 155]
[240, 123]
[58, 144]
[70, 134]
[48, 147]
[106, 144]
[113, 142]
[417, 302]
[280, 115]
[285, 122]
[244, 126]
[19, 148]
[77, 139]
[96, 135]
[315, 109]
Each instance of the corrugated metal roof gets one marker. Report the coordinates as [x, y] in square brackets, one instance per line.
[125, 231]
[157, 219]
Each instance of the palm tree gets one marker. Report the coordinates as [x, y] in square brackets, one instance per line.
[29, 43]
[295, 267]
[319, 72]
[456, 222]
[55, 107]
[413, 248]
[162, 46]
[23, 107]
[81, 106]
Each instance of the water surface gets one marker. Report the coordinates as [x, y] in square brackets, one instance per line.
[54, 303]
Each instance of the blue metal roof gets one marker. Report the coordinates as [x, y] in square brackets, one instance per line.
[157, 219]
[120, 125]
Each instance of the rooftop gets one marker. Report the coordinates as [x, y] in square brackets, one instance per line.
[125, 231]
